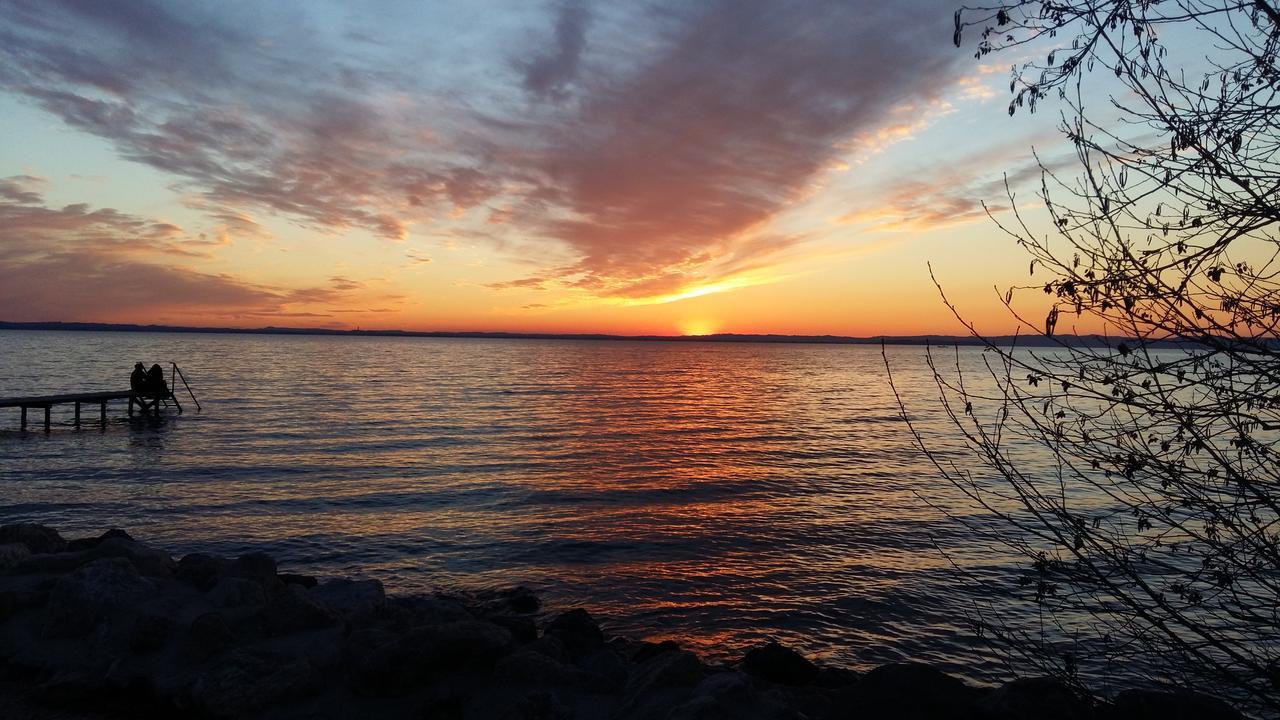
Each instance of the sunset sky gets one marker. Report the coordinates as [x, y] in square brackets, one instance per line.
[630, 167]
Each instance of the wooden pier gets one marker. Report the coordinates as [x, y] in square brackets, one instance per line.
[146, 401]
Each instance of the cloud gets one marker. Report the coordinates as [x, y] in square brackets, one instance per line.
[21, 189]
[78, 262]
[665, 173]
[549, 74]
[675, 136]
[931, 198]
[240, 124]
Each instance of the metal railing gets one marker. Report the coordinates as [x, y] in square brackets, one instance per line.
[175, 374]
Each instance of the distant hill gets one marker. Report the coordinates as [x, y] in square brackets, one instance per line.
[1025, 340]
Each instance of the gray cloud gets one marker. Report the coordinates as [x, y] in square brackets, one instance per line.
[548, 74]
[743, 105]
[674, 153]
[82, 263]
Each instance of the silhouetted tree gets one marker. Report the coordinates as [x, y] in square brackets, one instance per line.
[1139, 474]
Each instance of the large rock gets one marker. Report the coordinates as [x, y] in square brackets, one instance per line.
[88, 543]
[306, 581]
[535, 668]
[1169, 705]
[11, 554]
[257, 566]
[522, 628]
[207, 636]
[148, 560]
[679, 668]
[351, 597]
[907, 691]
[577, 631]
[244, 683]
[779, 664]
[425, 654]
[91, 593]
[150, 632]
[202, 571]
[293, 610]
[1036, 699]
[536, 705]
[733, 696]
[37, 538]
[605, 669]
[518, 600]
[235, 592]
[660, 683]
[641, 650]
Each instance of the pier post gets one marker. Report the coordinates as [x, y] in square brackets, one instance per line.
[103, 416]
[46, 417]
[24, 417]
[130, 406]
[77, 414]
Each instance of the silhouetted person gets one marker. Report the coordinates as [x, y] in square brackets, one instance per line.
[138, 378]
[155, 380]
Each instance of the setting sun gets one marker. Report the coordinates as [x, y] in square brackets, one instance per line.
[699, 327]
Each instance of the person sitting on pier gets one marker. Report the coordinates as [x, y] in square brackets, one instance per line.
[155, 380]
[138, 378]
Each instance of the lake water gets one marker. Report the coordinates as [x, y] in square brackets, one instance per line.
[719, 493]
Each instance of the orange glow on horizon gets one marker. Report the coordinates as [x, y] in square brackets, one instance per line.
[699, 327]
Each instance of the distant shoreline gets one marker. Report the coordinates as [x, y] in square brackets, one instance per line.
[916, 340]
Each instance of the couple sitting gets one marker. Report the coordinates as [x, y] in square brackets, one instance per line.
[148, 381]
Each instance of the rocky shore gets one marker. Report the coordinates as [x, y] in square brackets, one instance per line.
[111, 627]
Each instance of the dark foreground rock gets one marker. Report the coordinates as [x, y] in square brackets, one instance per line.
[107, 627]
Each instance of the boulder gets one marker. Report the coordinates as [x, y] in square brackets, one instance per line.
[11, 554]
[22, 596]
[305, 581]
[643, 649]
[150, 632]
[907, 691]
[350, 597]
[79, 600]
[733, 696]
[207, 636]
[1040, 698]
[660, 683]
[779, 664]
[423, 610]
[244, 683]
[88, 543]
[680, 668]
[294, 610]
[523, 629]
[37, 538]
[606, 671]
[550, 646]
[1176, 704]
[538, 705]
[577, 631]
[148, 560]
[836, 678]
[201, 570]
[234, 592]
[518, 600]
[529, 666]
[56, 563]
[257, 566]
[426, 653]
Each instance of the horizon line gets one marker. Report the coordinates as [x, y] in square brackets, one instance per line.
[781, 338]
